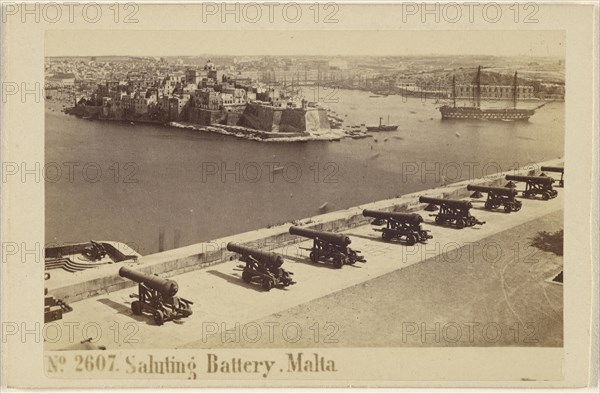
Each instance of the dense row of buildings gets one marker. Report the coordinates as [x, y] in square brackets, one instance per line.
[181, 95]
[495, 92]
[205, 96]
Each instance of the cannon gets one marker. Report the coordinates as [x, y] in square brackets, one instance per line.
[329, 246]
[95, 251]
[398, 225]
[535, 185]
[561, 170]
[156, 295]
[262, 267]
[497, 196]
[452, 211]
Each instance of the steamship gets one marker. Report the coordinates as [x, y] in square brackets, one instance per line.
[383, 127]
[475, 112]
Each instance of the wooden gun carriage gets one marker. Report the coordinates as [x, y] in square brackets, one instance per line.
[454, 212]
[400, 225]
[535, 185]
[560, 170]
[498, 196]
[262, 267]
[329, 246]
[156, 295]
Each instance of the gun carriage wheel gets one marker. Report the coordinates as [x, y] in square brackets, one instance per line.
[136, 308]
[159, 318]
[247, 276]
[267, 284]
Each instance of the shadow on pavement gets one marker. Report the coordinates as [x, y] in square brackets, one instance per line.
[549, 242]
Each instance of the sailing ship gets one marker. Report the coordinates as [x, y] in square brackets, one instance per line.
[383, 127]
[475, 112]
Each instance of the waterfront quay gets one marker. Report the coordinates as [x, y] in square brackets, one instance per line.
[494, 268]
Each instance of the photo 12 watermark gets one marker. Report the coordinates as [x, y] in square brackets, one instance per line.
[70, 12]
[69, 171]
[271, 12]
[271, 172]
[469, 12]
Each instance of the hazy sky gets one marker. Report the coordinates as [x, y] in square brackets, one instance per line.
[257, 42]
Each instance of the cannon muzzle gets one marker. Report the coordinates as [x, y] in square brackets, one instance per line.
[266, 258]
[540, 180]
[553, 169]
[338, 239]
[167, 287]
[499, 191]
[413, 218]
[459, 204]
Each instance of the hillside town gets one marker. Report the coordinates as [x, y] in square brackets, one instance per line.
[264, 95]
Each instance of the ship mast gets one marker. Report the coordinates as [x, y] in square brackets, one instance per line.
[478, 88]
[515, 91]
[454, 90]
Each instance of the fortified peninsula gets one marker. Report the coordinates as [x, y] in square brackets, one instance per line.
[209, 100]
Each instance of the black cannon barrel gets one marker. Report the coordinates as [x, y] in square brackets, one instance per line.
[553, 169]
[267, 258]
[413, 218]
[167, 287]
[542, 180]
[501, 191]
[338, 239]
[450, 203]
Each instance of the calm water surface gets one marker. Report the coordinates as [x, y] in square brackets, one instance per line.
[170, 184]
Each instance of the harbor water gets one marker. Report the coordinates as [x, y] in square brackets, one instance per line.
[150, 185]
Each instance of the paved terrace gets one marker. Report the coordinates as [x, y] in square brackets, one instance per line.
[220, 297]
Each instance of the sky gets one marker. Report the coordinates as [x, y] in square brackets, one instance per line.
[313, 42]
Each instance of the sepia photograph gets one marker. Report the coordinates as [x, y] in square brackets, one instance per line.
[364, 199]
[238, 206]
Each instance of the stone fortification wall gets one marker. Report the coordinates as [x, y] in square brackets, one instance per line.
[176, 261]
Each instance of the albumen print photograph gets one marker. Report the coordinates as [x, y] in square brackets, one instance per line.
[311, 195]
[406, 192]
